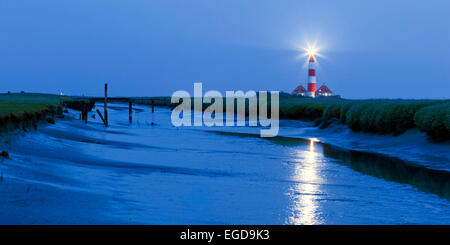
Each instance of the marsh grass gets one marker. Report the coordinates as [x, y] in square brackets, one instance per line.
[374, 116]
[24, 110]
[17, 103]
[434, 120]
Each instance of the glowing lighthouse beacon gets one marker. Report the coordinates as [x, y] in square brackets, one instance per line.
[311, 77]
[312, 90]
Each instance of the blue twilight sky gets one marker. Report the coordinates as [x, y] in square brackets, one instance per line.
[369, 49]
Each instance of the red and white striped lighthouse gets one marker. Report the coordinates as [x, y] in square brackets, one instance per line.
[311, 77]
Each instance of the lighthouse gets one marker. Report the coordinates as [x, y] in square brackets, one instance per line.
[311, 77]
[312, 91]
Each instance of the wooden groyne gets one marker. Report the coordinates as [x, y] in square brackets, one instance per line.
[130, 111]
[86, 104]
[105, 121]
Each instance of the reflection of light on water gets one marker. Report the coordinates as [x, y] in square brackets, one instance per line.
[305, 205]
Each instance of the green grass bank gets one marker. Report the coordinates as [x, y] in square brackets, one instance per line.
[21, 110]
[382, 116]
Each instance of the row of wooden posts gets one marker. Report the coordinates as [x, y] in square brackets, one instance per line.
[104, 117]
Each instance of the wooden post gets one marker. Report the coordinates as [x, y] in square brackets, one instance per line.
[83, 115]
[85, 110]
[101, 117]
[82, 112]
[130, 110]
[153, 106]
[106, 105]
